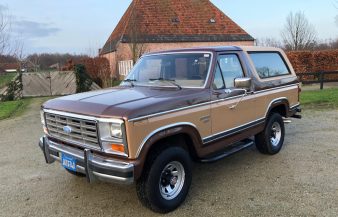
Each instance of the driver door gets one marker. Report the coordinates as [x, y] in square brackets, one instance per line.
[232, 108]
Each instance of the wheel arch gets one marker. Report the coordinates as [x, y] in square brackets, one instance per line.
[280, 106]
[181, 134]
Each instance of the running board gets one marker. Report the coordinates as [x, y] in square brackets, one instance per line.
[229, 151]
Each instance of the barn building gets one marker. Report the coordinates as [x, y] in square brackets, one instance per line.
[153, 25]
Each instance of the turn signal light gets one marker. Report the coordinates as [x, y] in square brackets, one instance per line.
[45, 130]
[117, 147]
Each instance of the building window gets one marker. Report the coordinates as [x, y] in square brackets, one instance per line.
[125, 67]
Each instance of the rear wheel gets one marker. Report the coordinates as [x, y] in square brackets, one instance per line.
[271, 140]
[166, 180]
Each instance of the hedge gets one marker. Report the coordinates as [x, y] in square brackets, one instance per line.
[314, 61]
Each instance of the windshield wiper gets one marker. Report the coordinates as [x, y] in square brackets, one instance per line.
[171, 81]
[131, 81]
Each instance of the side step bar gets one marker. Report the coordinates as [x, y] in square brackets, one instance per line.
[229, 151]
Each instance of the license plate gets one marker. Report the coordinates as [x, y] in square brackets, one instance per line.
[68, 162]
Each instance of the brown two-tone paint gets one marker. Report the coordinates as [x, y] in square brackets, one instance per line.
[212, 119]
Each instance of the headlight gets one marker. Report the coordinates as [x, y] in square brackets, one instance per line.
[116, 130]
[43, 122]
[42, 115]
[112, 137]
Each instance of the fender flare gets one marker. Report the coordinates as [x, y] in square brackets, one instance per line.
[170, 130]
[277, 102]
[164, 132]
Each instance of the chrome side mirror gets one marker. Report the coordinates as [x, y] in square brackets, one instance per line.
[243, 83]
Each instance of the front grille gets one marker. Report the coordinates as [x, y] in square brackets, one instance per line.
[83, 132]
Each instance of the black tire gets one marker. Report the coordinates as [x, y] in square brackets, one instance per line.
[265, 142]
[148, 187]
[76, 173]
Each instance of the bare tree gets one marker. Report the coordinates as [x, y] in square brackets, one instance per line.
[336, 6]
[298, 32]
[9, 44]
[269, 42]
[92, 50]
[137, 47]
[4, 32]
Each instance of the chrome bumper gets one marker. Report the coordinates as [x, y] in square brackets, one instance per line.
[95, 167]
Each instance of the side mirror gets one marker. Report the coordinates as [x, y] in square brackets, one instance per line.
[243, 83]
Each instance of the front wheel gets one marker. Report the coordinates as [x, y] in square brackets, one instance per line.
[166, 180]
[271, 140]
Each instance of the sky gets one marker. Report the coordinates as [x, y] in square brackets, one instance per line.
[83, 26]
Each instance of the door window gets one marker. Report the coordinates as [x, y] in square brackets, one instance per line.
[218, 80]
[228, 69]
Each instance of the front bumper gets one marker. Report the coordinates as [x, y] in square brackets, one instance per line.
[95, 167]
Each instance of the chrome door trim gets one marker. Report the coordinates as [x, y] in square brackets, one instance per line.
[240, 128]
[205, 103]
[248, 123]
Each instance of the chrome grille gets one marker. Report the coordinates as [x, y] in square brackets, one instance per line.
[83, 132]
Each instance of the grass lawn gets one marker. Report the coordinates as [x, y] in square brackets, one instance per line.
[11, 108]
[327, 98]
[5, 79]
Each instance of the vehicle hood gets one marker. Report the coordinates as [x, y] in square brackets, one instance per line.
[128, 102]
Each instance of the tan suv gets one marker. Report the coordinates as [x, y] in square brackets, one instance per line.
[175, 107]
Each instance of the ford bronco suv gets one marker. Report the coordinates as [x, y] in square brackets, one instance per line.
[174, 108]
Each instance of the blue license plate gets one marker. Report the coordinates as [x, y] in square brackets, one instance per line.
[68, 162]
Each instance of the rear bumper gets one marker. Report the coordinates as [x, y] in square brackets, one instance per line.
[294, 110]
[95, 167]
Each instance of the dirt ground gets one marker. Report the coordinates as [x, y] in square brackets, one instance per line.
[300, 181]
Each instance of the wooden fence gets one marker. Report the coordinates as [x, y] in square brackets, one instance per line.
[50, 84]
[318, 77]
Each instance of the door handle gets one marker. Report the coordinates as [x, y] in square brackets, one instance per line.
[235, 105]
[227, 91]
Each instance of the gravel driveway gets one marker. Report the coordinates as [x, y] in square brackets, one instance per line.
[300, 181]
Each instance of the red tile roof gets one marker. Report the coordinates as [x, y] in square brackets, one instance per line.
[155, 21]
[10, 66]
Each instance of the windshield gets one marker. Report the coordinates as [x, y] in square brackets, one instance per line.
[180, 70]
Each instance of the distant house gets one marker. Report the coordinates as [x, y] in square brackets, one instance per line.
[25, 66]
[29, 66]
[55, 66]
[10, 67]
[152, 25]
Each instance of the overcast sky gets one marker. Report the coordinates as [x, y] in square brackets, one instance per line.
[79, 26]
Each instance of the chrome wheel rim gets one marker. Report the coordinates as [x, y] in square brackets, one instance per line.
[276, 134]
[171, 180]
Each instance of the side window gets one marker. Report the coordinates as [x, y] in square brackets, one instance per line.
[218, 80]
[269, 64]
[231, 68]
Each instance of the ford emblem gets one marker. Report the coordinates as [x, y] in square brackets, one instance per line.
[67, 129]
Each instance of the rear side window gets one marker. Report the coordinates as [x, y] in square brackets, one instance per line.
[269, 64]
